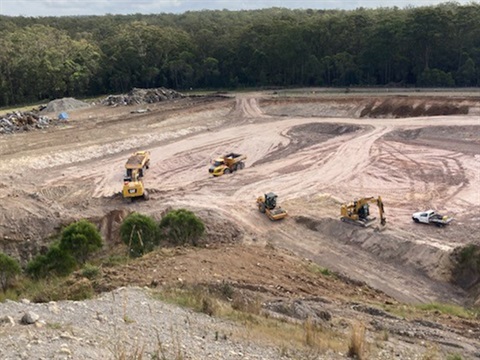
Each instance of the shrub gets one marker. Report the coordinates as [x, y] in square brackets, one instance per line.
[90, 271]
[81, 239]
[356, 348]
[56, 262]
[140, 233]
[181, 227]
[9, 269]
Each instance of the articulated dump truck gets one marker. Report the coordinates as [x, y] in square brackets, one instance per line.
[136, 166]
[227, 164]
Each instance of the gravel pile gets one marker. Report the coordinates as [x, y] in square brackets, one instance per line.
[142, 96]
[118, 325]
[23, 121]
[65, 104]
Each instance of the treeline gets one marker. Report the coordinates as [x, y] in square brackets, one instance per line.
[51, 57]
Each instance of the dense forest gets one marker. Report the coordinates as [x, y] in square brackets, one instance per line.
[51, 57]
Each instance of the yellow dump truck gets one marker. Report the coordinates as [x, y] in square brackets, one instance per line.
[140, 161]
[133, 187]
[136, 166]
[227, 164]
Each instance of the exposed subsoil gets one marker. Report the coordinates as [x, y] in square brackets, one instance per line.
[314, 152]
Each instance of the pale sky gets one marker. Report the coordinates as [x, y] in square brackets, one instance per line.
[102, 7]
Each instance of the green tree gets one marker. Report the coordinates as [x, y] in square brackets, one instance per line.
[56, 262]
[140, 233]
[80, 239]
[9, 269]
[181, 227]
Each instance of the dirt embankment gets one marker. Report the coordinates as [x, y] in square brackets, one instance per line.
[396, 106]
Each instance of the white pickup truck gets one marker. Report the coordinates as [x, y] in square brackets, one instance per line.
[431, 217]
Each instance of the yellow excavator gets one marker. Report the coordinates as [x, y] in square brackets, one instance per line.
[267, 204]
[358, 211]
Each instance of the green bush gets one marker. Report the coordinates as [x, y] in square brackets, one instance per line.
[9, 269]
[140, 233]
[81, 239]
[56, 262]
[182, 227]
[90, 271]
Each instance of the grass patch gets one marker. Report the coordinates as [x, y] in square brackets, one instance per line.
[357, 345]
[449, 309]
[316, 269]
[415, 311]
[305, 335]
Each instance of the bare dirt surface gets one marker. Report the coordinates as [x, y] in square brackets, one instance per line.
[314, 152]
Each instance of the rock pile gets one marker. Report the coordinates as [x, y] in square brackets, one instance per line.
[142, 96]
[64, 104]
[23, 121]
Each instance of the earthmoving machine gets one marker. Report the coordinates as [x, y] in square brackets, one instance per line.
[358, 211]
[133, 186]
[267, 204]
[431, 217]
[227, 164]
[136, 166]
[139, 161]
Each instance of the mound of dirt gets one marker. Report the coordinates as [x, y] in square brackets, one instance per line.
[142, 96]
[402, 107]
[65, 104]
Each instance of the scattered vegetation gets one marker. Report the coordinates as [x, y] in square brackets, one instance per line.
[9, 269]
[356, 347]
[182, 227]
[450, 309]
[207, 299]
[316, 269]
[90, 271]
[140, 233]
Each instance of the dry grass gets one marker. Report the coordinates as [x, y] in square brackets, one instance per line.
[357, 346]
[256, 326]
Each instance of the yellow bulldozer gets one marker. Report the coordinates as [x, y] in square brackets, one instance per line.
[267, 204]
[358, 211]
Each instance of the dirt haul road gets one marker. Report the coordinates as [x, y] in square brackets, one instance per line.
[312, 161]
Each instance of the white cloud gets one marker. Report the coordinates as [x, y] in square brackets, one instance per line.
[101, 7]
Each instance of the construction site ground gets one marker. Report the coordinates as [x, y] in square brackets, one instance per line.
[315, 150]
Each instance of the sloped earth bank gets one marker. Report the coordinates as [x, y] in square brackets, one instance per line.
[315, 153]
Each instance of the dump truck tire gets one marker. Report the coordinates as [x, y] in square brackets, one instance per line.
[146, 196]
[241, 165]
[227, 171]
